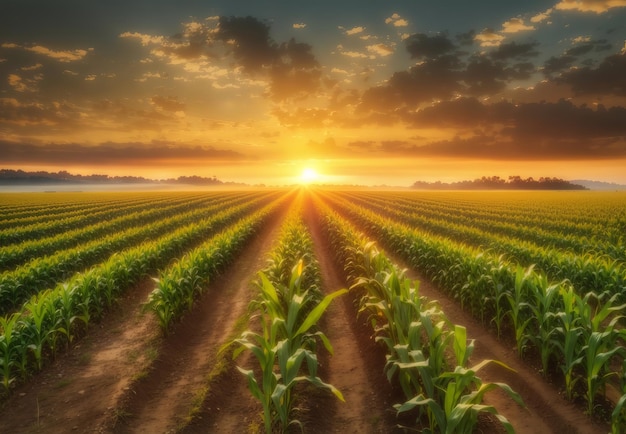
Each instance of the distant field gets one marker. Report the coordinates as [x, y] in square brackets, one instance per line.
[542, 273]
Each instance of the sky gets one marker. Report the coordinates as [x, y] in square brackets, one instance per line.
[343, 92]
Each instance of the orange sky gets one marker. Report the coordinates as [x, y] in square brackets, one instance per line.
[360, 93]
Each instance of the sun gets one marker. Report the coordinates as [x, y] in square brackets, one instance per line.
[308, 176]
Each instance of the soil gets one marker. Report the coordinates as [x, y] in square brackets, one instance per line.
[125, 377]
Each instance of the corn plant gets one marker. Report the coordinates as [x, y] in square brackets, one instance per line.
[11, 348]
[597, 354]
[544, 306]
[38, 329]
[618, 417]
[519, 308]
[418, 336]
[289, 308]
[572, 335]
[285, 345]
[464, 392]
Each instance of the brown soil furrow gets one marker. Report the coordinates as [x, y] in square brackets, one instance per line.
[159, 402]
[81, 388]
[356, 368]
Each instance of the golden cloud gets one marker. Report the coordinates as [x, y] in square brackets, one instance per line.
[515, 25]
[380, 49]
[540, 17]
[489, 38]
[597, 6]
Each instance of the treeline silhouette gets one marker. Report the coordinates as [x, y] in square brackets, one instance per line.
[497, 183]
[9, 176]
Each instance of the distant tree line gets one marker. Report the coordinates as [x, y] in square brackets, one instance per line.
[12, 177]
[497, 183]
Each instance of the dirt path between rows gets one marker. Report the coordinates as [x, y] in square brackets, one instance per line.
[80, 390]
[356, 368]
[547, 411]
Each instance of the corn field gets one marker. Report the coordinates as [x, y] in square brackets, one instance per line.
[544, 273]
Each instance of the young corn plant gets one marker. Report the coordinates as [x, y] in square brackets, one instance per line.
[597, 354]
[39, 325]
[520, 308]
[290, 306]
[544, 306]
[418, 337]
[571, 337]
[462, 403]
[618, 417]
[10, 348]
[286, 346]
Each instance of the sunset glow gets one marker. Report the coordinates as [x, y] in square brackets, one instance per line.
[245, 91]
[308, 176]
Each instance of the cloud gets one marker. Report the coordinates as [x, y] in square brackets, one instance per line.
[381, 50]
[514, 50]
[29, 114]
[353, 54]
[445, 71]
[609, 78]
[542, 16]
[515, 25]
[32, 68]
[111, 153]
[169, 103]
[420, 45]
[15, 81]
[353, 31]
[396, 20]
[249, 40]
[489, 38]
[437, 78]
[596, 6]
[145, 39]
[62, 56]
[531, 131]
[298, 25]
[571, 58]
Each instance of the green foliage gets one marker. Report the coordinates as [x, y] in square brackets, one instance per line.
[418, 337]
[290, 305]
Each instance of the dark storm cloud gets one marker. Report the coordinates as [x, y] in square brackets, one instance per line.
[527, 121]
[573, 55]
[609, 78]
[108, 153]
[290, 67]
[445, 71]
[530, 131]
[296, 73]
[251, 43]
[493, 147]
[420, 45]
[434, 79]
[514, 50]
[557, 64]
[466, 39]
